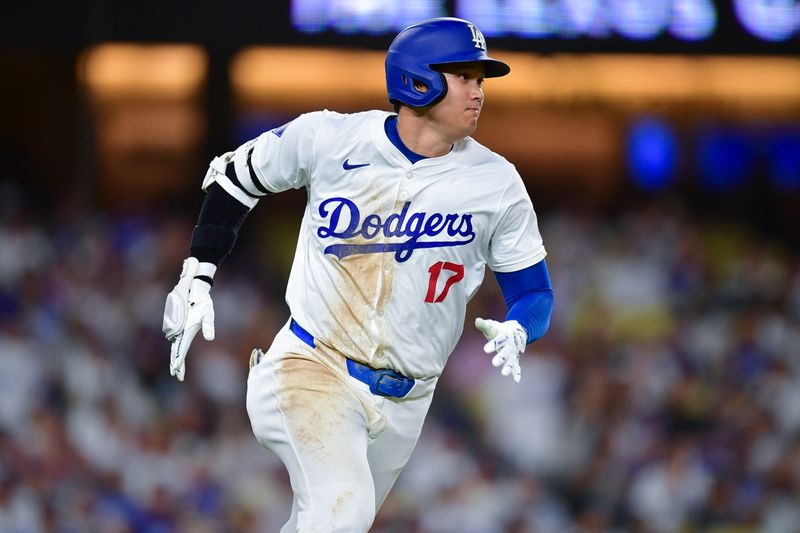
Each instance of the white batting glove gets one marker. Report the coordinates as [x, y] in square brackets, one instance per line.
[188, 309]
[508, 339]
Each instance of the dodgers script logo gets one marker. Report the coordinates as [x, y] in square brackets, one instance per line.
[343, 221]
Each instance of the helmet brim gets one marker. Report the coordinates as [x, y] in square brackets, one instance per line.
[493, 68]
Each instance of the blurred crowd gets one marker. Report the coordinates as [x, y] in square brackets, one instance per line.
[665, 397]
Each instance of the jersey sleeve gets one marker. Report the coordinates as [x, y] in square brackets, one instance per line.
[516, 242]
[275, 161]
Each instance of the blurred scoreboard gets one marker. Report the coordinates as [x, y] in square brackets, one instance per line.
[581, 26]
[738, 26]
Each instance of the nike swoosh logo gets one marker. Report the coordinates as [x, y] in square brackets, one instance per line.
[347, 166]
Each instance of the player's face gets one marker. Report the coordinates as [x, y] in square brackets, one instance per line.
[459, 110]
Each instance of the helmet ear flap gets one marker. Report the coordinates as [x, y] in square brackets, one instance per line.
[403, 85]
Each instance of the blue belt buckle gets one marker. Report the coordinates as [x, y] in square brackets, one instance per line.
[382, 382]
[389, 383]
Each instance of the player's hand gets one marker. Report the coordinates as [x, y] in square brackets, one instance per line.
[188, 309]
[508, 339]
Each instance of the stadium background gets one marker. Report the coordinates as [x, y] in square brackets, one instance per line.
[660, 142]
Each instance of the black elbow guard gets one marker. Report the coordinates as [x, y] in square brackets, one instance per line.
[217, 226]
[211, 243]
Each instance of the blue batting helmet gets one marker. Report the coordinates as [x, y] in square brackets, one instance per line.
[418, 50]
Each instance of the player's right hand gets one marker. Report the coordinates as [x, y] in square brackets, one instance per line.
[188, 309]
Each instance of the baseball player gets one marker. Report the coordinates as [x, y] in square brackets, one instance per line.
[404, 213]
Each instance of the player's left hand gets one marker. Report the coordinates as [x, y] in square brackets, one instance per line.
[508, 339]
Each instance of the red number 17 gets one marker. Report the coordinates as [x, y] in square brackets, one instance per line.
[436, 270]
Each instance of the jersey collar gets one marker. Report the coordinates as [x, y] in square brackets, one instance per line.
[397, 156]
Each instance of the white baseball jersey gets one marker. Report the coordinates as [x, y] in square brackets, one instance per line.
[389, 252]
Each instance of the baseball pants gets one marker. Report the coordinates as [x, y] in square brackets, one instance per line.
[343, 446]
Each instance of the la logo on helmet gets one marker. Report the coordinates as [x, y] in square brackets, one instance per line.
[477, 37]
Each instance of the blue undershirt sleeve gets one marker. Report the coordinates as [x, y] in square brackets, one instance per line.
[529, 298]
